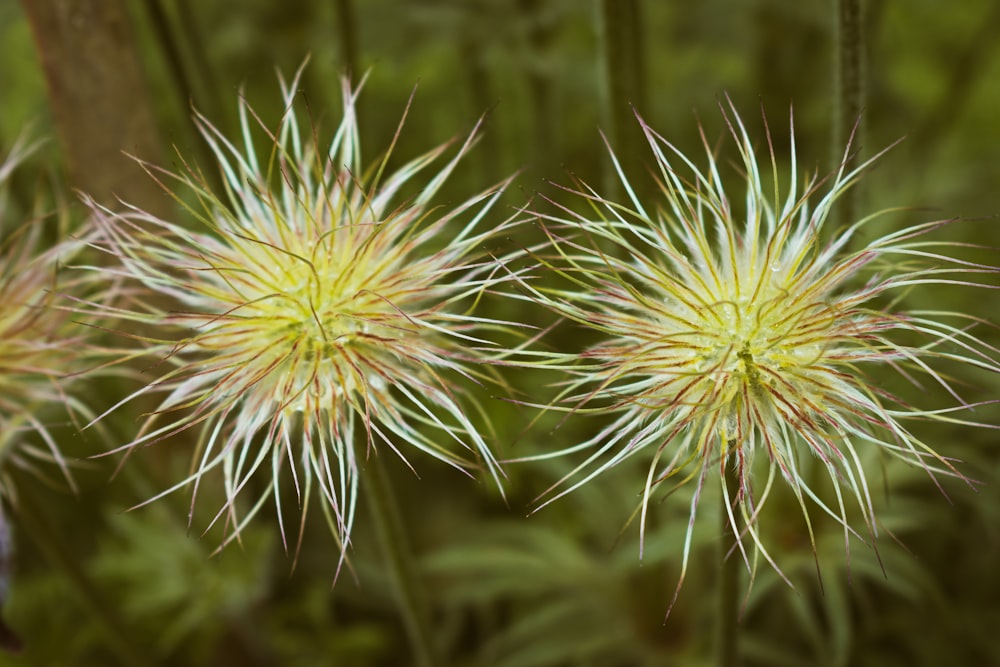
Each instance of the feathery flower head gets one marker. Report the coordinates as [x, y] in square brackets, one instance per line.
[730, 335]
[309, 311]
[40, 346]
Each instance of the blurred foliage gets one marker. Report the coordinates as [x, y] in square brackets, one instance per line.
[563, 586]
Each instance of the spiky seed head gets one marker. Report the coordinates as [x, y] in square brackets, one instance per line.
[312, 309]
[727, 335]
[42, 348]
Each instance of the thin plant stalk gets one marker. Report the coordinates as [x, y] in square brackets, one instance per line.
[347, 29]
[203, 70]
[623, 76]
[479, 82]
[849, 97]
[539, 36]
[410, 597]
[188, 92]
[727, 615]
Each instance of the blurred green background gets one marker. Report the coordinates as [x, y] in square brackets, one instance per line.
[94, 584]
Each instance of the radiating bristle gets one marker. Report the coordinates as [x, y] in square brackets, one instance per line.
[312, 317]
[727, 335]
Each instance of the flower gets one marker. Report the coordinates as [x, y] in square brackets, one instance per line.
[42, 349]
[729, 334]
[309, 312]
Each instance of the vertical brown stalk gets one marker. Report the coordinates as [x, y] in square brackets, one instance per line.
[98, 97]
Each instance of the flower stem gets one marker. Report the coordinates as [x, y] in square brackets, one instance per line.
[385, 514]
[347, 30]
[540, 85]
[189, 89]
[727, 614]
[623, 74]
[849, 95]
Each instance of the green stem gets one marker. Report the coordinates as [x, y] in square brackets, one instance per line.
[347, 30]
[188, 93]
[194, 47]
[727, 614]
[33, 522]
[385, 515]
[849, 95]
[478, 77]
[539, 34]
[624, 80]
